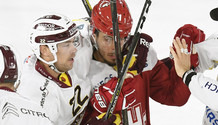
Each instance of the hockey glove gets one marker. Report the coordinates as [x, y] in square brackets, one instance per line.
[102, 95]
[113, 120]
[192, 35]
[138, 61]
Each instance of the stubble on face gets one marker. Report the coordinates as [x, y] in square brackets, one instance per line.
[65, 57]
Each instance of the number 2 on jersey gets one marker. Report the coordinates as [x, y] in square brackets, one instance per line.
[77, 92]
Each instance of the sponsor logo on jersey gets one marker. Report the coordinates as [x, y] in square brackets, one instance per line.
[211, 87]
[33, 113]
[8, 109]
[212, 116]
[105, 80]
[44, 92]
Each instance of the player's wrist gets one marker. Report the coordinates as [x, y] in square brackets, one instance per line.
[187, 76]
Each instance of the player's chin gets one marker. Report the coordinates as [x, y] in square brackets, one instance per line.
[69, 66]
[111, 62]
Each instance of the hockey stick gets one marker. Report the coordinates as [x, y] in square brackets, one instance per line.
[115, 30]
[116, 35]
[88, 7]
[116, 42]
[128, 58]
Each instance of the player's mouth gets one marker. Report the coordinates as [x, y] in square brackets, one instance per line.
[112, 56]
[71, 60]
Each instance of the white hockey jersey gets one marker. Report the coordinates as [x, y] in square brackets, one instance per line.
[101, 73]
[207, 53]
[63, 104]
[15, 109]
[84, 52]
[206, 89]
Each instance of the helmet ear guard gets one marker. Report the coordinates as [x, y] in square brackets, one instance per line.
[8, 68]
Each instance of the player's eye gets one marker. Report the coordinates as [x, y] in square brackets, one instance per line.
[108, 39]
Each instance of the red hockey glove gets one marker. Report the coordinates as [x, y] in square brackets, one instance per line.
[102, 95]
[113, 120]
[139, 58]
[192, 35]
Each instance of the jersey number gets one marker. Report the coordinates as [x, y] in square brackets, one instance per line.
[79, 101]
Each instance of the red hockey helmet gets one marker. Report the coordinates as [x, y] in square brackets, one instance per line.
[8, 65]
[102, 20]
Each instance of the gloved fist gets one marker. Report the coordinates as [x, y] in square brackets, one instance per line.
[192, 35]
[139, 58]
[113, 120]
[102, 95]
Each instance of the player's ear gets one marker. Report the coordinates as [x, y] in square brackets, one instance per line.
[44, 51]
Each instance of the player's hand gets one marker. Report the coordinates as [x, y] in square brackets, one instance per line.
[181, 56]
[192, 35]
[139, 58]
[102, 95]
[113, 120]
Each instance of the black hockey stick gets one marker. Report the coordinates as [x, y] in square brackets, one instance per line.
[116, 35]
[115, 30]
[128, 58]
[88, 7]
[116, 42]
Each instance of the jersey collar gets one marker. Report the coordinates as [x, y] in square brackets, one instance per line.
[43, 72]
[7, 89]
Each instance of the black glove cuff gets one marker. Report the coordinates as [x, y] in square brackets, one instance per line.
[186, 78]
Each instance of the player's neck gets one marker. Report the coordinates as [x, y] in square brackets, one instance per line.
[8, 85]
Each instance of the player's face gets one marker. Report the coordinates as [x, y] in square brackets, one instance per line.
[65, 55]
[106, 48]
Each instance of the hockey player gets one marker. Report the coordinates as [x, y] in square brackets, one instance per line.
[153, 77]
[205, 89]
[48, 77]
[15, 109]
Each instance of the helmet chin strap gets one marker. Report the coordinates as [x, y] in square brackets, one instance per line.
[53, 67]
[51, 63]
[94, 42]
